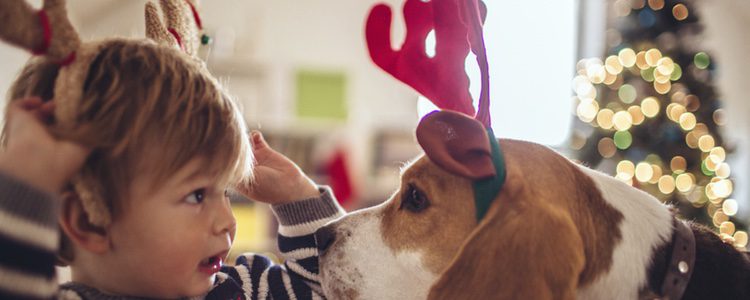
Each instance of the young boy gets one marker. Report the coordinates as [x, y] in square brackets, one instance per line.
[159, 143]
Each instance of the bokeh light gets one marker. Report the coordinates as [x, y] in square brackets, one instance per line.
[656, 4]
[705, 143]
[623, 139]
[613, 65]
[604, 118]
[652, 57]
[625, 169]
[650, 107]
[622, 120]
[643, 172]
[636, 114]
[701, 60]
[684, 182]
[687, 121]
[730, 207]
[626, 57]
[666, 184]
[680, 12]
[678, 164]
[627, 93]
[606, 147]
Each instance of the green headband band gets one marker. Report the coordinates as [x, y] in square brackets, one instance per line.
[487, 189]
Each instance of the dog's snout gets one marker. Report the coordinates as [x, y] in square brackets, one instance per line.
[324, 237]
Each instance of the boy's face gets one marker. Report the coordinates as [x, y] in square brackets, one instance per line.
[171, 239]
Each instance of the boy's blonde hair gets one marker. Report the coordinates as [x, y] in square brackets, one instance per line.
[140, 96]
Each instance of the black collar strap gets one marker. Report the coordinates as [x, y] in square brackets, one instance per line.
[681, 262]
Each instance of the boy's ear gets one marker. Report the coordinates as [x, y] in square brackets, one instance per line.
[75, 223]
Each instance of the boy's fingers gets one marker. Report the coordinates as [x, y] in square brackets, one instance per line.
[30, 103]
[258, 141]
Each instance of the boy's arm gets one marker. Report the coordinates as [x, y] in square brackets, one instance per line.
[29, 240]
[298, 277]
[34, 166]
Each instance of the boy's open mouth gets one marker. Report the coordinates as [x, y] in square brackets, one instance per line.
[212, 264]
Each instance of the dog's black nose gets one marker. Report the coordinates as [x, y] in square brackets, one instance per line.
[324, 237]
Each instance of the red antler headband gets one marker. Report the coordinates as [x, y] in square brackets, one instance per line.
[48, 32]
[451, 138]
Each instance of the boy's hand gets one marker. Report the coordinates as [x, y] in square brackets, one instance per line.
[277, 179]
[32, 154]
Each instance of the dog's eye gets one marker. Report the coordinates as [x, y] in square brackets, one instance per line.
[414, 200]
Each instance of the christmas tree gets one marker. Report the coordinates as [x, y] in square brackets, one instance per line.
[655, 113]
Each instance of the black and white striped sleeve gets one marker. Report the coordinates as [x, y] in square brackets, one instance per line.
[298, 277]
[29, 239]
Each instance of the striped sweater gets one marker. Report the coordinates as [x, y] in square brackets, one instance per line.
[29, 239]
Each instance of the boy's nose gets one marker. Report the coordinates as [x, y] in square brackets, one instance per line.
[224, 221]
[324, 238]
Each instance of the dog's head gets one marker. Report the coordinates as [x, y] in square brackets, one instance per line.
[425, 239]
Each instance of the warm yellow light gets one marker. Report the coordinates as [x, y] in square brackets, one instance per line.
[719, 217]
[705, 143]
[666, 184]
[719, 153]
[626, 167]
[740, 239]
[687, 121]
[613, 65]
[684, 182]
[726, 228]
[652, 57]
[604, 118]
[622, 120]
[626, 57]
[643, 172]
[678, 164]
[595, 72]
[680, 12]
[691, 140]
[665, 66]
[582, 85]
[662, 88]
[675, 111]
[609, 79]
[650, 107]
[656, 4]
[606, 147]
[660, 78]
[722, 188]
[636, 114]
[710, 162]
[640, 60]
[730, 207]
[657, 174]
[723, 171]
[587, 110]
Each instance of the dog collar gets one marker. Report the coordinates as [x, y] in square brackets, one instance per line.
[681, 262]
[486, 190]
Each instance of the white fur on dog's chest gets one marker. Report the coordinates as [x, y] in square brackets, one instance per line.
[646, 224]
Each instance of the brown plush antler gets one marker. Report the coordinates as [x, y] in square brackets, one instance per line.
[183, 25]
[47, 31]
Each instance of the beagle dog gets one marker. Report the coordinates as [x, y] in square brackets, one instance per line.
[556, 230]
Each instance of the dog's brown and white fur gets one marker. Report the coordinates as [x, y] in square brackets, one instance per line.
[557, 230]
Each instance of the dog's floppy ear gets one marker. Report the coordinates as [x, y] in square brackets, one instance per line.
[457, 143]
[522, 249]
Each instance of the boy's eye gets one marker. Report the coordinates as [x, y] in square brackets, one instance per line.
[196, 197]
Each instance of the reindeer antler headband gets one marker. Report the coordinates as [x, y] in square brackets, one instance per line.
[451, 138]
[48, 32]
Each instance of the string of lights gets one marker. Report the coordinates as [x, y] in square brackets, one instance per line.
[644, 89]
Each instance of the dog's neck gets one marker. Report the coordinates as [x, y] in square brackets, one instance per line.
[673, 264]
